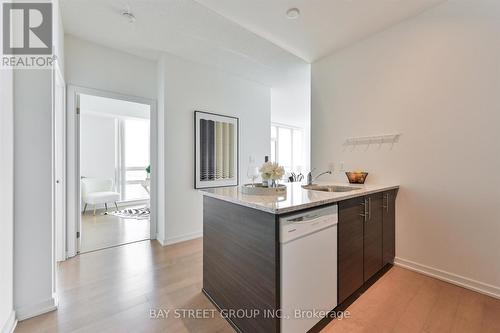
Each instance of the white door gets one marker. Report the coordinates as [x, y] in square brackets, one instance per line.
[60, 165]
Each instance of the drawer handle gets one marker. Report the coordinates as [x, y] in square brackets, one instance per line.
[307, 219]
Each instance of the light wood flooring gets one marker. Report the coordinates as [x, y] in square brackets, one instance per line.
[405, 301]
[113, 290]
[103, 231]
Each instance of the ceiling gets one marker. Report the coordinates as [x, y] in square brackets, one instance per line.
[323, 25]
[250, 38]
[184, 28]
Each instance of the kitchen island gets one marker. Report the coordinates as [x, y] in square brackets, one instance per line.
[241, 246]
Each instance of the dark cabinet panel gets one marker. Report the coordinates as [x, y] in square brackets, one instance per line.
[350, 247]
[366, 239]
[389, 227]
[241, 262]
[373, 235]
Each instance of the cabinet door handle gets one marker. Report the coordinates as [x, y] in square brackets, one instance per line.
[369, 208]
[365, 213]
[386, 205]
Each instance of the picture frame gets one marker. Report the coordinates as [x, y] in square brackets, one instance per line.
[216, 150]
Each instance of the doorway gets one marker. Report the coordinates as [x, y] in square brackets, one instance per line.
[114, 168]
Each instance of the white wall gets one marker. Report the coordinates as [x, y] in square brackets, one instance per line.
[7, 315]
[436, 79]
[94, 66]
[59, 33]
[97, 146]
[188, 87]
[34, 259]
[291, 105]
[161, 151]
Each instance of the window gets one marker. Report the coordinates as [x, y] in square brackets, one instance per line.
[136, 142]
[136, 157]
[287, 147]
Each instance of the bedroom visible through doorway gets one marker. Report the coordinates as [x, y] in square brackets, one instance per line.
[115, 168]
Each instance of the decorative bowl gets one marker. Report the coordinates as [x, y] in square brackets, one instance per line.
[356, 177]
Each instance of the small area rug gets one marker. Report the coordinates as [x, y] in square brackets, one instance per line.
[132, 213]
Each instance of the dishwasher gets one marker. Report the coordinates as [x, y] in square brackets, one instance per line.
[308, 244]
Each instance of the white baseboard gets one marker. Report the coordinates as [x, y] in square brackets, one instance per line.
[160, 240]
[11, 323]
[37, 309]
[183, 238]
[455, 279]
[179, 239]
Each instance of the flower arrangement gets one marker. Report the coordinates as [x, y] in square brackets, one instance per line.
[271, 171]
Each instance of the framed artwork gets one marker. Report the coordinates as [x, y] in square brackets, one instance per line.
[216, 150]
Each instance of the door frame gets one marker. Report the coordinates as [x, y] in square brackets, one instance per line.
[59, 228]
[73, 159]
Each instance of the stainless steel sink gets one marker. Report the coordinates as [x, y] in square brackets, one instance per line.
[330, 188]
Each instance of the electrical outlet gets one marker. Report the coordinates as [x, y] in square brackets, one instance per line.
[342, 167]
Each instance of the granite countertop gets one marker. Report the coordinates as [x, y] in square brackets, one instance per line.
[296, 197]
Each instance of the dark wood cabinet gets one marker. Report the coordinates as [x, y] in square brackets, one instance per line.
[241, 263]
[366, 241]
[350, 247]
[372, 250]
[389, 227]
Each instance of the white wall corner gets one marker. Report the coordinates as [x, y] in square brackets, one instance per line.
[34, 310]
[161, 137]
[182, 238]
[461, 281]
[10, 324]
[160, 239]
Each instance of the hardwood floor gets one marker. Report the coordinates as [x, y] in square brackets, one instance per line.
[405, 301]
[113, 290]
[103, 231]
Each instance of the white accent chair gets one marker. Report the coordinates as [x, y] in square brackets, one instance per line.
[97, 191]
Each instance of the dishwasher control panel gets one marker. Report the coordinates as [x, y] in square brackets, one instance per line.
[304, 223]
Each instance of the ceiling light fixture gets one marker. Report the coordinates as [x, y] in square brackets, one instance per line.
[129, 15]
[293, 13]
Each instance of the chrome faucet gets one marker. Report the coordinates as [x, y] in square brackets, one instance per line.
[311, 179]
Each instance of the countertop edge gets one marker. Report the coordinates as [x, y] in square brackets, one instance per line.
[279, 211]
